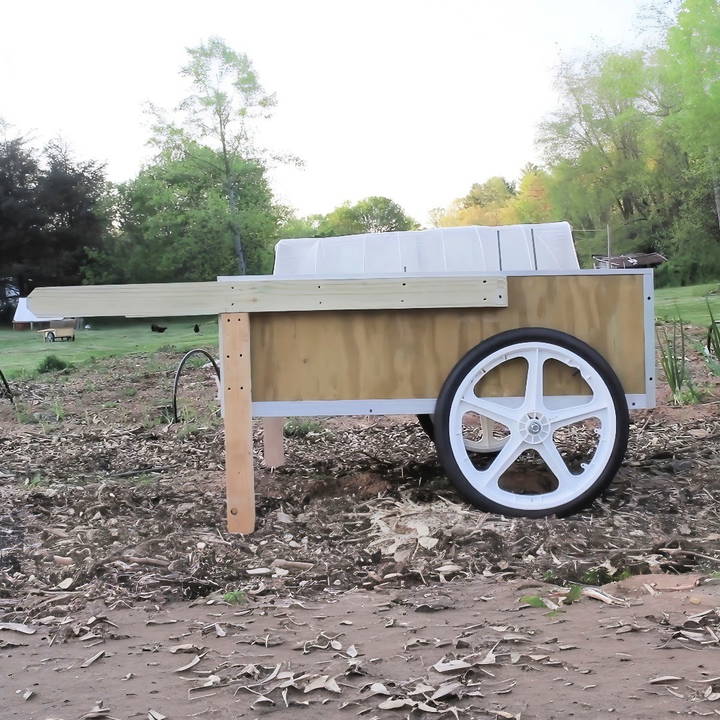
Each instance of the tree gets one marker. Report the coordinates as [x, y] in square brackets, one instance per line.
[227, 99]
[298, 227]
[72, 197]
[692, 62]
[372, 215]
[51, 211]
[494, 192]
[610, 154]
[380, 214]
[173, 223]
[487, 203]
[20, 217]
[532, 202]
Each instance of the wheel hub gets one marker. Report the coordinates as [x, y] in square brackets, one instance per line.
[534, 428]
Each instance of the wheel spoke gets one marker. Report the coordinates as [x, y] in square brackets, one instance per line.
[578, 413]
[486, 408]
[487, 442]
[534, 383]
[505, 458]
[551, 456]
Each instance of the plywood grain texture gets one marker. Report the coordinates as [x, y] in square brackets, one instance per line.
[270, 294]
[408, 354]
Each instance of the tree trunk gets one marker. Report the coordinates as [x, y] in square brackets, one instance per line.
[715, 182]
[235, 230]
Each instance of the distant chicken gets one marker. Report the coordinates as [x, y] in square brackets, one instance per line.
[157, 328]
[196, 328]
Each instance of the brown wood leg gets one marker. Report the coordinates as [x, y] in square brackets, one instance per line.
[240, 482]
[273, 451]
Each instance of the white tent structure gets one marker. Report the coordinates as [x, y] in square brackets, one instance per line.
[24, 316]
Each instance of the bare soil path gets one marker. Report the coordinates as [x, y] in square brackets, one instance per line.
[469, 649]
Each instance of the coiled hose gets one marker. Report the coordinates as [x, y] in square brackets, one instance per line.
[186, 357]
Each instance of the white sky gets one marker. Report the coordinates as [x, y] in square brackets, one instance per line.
[412, 99]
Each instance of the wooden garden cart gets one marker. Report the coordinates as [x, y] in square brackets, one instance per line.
[523, 364]
[59, 330]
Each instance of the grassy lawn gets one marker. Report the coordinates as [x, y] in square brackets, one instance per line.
[688, 303]
[21, 351]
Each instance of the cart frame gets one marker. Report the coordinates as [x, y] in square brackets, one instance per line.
[262, 320]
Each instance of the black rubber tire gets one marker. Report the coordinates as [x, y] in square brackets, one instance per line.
[50, 337]
[426, 423]
[491, 345]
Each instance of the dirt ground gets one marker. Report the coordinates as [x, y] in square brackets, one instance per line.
[369, 588]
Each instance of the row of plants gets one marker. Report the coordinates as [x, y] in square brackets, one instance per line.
[673, 340]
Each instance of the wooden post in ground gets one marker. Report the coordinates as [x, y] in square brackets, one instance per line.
[273, 451]
[240, 482]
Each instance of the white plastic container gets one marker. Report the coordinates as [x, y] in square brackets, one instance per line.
[475, 248]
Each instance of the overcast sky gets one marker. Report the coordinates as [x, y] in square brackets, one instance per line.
[412, 99]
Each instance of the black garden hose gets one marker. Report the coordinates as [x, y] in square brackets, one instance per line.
[6, 388]
[187, 356]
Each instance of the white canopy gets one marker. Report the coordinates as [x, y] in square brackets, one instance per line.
[24, 315]
[475, 248]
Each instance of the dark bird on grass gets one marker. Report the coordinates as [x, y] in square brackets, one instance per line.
[196, 329]
[157, 328]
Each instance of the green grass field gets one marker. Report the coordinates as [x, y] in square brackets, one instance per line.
[688, 303]
[22, 351]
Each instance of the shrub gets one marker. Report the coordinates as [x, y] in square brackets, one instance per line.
[302, 427]
[52, 363]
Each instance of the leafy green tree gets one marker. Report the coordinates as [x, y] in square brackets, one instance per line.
[531, 202]
[372, 215]
[611, 156]
[692, 62]
[173, 223]
[380, 214]
[493, 193]
[51, 212]
[227, 99]
[487, 203]
[298, 227]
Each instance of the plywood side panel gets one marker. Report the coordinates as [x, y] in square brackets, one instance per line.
[390, 354]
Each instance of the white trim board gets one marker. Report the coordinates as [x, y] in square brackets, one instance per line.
[404, 406]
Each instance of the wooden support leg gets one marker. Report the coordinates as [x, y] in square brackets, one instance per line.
[235, 344]
[273, 451]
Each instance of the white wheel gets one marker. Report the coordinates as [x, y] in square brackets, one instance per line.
[560, 451]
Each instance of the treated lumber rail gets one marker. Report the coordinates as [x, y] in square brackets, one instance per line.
[272, 294]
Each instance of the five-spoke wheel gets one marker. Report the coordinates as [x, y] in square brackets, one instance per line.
[556, 451]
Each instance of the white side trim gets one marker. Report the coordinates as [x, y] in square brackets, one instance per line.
[404, 406]
[650, 369]
[489, 273]
[312, 408]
